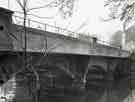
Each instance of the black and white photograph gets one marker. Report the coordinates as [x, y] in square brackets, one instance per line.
[67, 50]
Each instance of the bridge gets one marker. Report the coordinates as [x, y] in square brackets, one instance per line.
[83, 62]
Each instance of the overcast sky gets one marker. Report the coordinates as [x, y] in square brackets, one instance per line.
[86, 12]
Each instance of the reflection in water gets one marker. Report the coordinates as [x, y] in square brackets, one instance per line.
[101, 86]
[97, 91]
[108, 87]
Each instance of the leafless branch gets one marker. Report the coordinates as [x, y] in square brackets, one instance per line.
[34, 15]
[34, 8]
[18, 1]
[123, 10]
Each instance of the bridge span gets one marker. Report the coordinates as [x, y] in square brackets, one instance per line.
[65, 65]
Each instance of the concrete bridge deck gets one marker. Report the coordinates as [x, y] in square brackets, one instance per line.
[43, 41]
[12, 39]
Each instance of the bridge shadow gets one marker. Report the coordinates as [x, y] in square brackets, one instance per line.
[98, 88]
[104, 86]
[109, 93]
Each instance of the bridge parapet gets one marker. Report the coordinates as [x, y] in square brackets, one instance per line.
[60, 31]
[52, 41]
[43, 41]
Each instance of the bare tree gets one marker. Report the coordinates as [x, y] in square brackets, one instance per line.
[61, 4]
[116, 38]
[123, 10]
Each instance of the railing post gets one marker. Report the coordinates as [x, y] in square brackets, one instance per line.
[94, 42]
[120, 48]
[45, 27]
[58, 29]
[28, 22]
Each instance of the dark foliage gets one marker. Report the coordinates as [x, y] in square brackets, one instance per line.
[122, 9]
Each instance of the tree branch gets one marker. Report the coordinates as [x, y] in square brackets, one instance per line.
[30, 14]
[34, 8]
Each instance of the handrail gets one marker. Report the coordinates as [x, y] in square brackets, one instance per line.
[59, 30]
[56, 28]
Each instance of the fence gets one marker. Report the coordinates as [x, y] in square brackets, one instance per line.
[42, 26]
[51, 28]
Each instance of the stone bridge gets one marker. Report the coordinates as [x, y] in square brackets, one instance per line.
[63, 63]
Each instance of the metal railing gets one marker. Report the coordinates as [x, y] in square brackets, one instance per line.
[43, 26]
[109, 44]
[54, 29]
